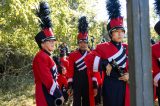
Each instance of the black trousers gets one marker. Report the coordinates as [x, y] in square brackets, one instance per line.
[98, 96]
[80, 89]
[113, 92]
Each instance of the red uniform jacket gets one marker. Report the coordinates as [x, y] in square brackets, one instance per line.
[156, 64]
[64, 62]
[45, 75]
[75, 57]
[62, 81]
[108, 51]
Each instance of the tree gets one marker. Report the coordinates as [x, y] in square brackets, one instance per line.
[19, 25]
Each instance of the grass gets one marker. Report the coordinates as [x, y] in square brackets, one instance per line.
[17, 91]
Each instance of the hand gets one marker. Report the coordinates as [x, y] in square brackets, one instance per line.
[70, 92]
[125, 77]
[95, 92]
[70, 88]
[108, 69]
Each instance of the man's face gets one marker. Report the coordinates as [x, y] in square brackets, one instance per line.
[48, 45]
[64, 71]
[83, 45]
[118, 35]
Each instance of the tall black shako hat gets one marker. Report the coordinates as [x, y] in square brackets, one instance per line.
[46, 33]
[157, 10]
[82, 29]
[115, 18]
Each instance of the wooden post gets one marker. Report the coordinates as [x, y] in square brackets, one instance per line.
[139, 53]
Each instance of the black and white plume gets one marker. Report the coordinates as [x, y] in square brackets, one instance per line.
[83, 25]
[43, 12]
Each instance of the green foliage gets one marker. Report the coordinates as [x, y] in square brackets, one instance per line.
[153, 20]
[19, 24]
[154, 35]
